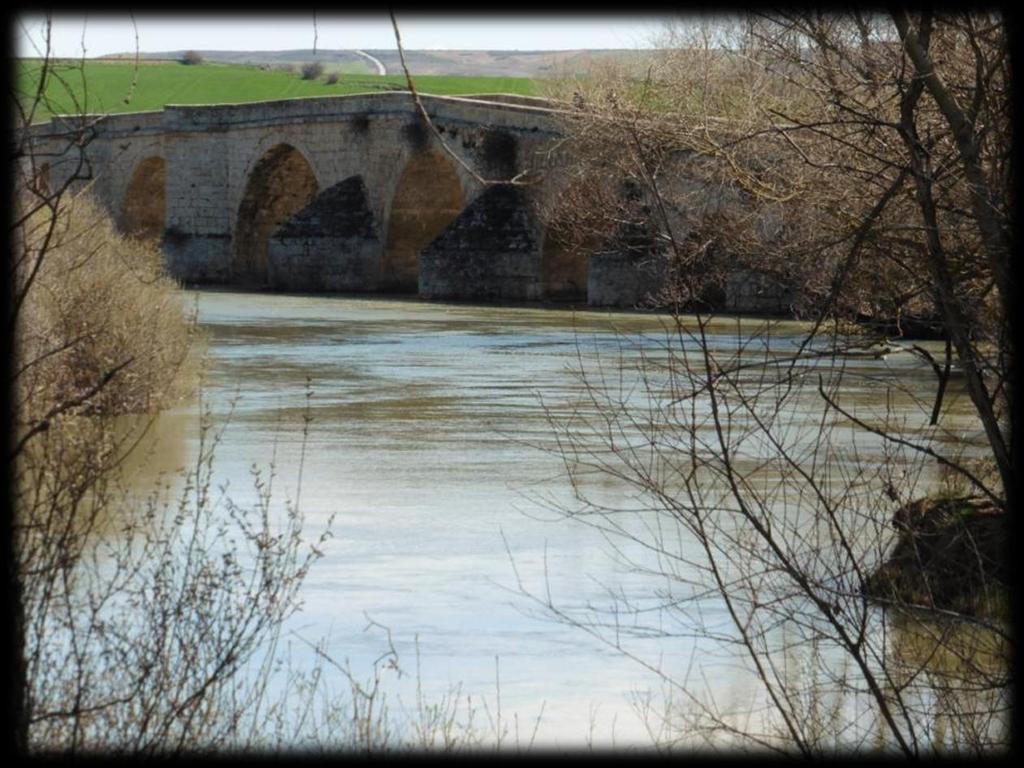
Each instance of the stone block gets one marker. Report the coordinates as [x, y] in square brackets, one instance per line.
[200, 259]
[488, 252]
[751, 291]
[330, 245]
[622, 279]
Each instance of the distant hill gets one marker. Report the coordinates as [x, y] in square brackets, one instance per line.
[533, 64]
[333, 61]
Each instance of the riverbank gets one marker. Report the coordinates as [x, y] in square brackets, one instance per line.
[951, 554]
[912, 330]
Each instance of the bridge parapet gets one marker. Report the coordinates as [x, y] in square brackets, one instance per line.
[507, 110]
[111, 126]
[514, 116]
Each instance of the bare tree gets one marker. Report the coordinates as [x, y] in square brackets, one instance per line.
[863, 161]
[34, 196]
[133, 619]
[806, 126]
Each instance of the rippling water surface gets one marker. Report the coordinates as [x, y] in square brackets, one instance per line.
[428, 424]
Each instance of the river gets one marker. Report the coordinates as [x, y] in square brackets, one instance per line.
[430, 445]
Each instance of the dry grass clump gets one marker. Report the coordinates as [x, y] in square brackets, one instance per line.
[101, 315]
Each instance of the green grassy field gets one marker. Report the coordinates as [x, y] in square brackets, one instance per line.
[107, 87]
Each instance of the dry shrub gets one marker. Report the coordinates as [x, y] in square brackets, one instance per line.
[312, 70]
[144, 610]
[102, 306]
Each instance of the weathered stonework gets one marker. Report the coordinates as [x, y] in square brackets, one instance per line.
[757, 293]
[231, 175]
[198, 258]
[143, 212]
[488, 252]
[281, 184]
[623, 279]
[330, 245]
[564, 266]
[427, 198]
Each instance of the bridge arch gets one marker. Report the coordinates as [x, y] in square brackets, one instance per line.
[428, 197]
[281, 183]
[144, 208]
[577, 226]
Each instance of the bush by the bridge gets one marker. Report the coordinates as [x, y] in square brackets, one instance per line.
[106, 301]
[101, 562]
[312, 70]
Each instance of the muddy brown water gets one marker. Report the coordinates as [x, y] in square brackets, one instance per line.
[430, 443]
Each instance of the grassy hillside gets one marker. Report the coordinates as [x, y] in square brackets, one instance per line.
[333, 61]
[532, 64]
[119, 86]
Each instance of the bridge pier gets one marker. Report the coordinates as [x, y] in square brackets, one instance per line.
[488, 252]
[330, 245]
[353, 193]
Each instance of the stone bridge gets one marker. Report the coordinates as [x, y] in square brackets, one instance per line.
[352, 194]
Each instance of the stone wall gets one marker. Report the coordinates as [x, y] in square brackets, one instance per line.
[437, 211]
[216, 149]
[144, 211]
[622, 279]
[752, 292]
[488, 252]
[330, 245]
[428, 197]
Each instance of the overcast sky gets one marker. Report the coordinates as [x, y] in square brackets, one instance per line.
[106, 33]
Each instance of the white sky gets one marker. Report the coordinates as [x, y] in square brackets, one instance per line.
[113, 33]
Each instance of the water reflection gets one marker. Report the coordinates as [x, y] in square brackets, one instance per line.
[427, 419]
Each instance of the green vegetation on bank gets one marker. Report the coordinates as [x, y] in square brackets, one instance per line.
[120, 86]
